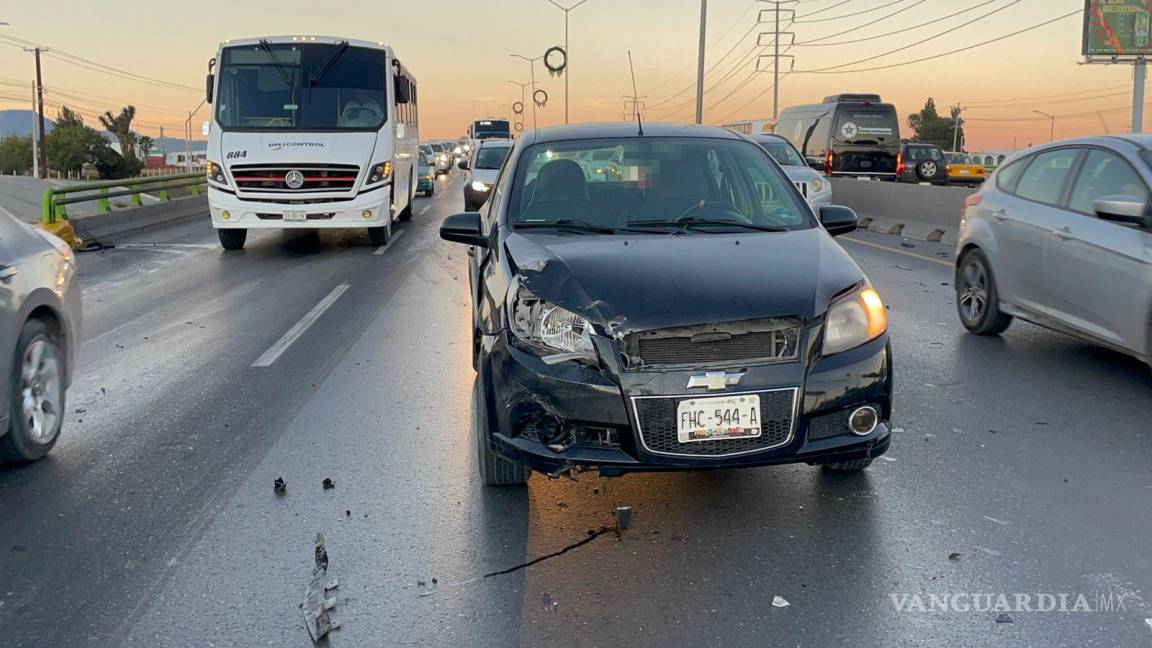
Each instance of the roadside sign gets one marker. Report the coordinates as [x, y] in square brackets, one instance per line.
[1117, 30]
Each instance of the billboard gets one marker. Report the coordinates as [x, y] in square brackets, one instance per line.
[1117, 28]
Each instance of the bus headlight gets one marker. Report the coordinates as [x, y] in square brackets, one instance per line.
[379, 172]
[216, 173]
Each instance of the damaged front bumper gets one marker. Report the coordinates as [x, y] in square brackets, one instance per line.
[558, 417]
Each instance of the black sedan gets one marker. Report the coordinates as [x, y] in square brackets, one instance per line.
[687, 312]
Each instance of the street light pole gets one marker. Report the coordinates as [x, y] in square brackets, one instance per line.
[531, 80]
[1051, 124]
[567, 53]
[700, 63]
[38, 131]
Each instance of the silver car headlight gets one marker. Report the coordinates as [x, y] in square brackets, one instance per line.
[547, 328]
[854, 319]
[479, 186]
[815, 185]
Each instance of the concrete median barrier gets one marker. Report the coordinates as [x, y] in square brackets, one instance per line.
[924, 212]
[110, 227]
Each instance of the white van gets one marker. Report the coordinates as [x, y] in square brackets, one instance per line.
[310, 132]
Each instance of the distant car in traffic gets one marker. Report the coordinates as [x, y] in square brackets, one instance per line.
[919, 162]
[425, 176]
[441, 157]
[39, 325]
[855, 135]
[962, 169]
[482, 171]
[690, 313]
[1060, 236]
[815, 188]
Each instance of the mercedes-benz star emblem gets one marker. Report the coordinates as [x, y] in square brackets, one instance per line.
[294, 179]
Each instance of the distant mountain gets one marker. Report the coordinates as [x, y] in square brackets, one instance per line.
[20, 122]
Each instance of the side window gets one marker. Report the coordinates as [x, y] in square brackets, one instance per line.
[491, 209]
[1104, 174]
[1045, 177]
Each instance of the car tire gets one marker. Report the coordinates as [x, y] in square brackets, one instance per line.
[977, 299]
[39, 368]
[494, 469]
[848, 466]
[232, 239]
[926, 171]
[378, 236]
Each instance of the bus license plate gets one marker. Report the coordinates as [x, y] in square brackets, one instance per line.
[723, 417]
[295, 216]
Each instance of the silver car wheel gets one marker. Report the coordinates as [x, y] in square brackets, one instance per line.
[42, 390]
[973, 291]
[929, 169]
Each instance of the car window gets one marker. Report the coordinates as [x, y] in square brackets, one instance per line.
[782, 151]
[1104, 174]
[653, 182]
[491, 157]
[1007, 176]
[1044, 179]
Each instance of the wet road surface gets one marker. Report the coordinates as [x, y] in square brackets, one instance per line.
[1020, 465]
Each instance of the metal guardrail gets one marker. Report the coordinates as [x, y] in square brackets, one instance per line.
[56, 199]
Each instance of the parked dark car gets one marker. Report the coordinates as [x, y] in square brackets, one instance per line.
[921, 163]
[39, 320]
[688, 312]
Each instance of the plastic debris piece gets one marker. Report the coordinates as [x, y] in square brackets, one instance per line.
[317, 602]
[321, 553]
[328, 484]
[623, 518]
[778, 601]
[279, 486]
[954, 556]
[900, 267]
[1004, 617]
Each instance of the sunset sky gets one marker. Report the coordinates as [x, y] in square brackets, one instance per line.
[459, 51]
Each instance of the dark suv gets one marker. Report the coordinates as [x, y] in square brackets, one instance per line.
[686, 310]
[921, 163]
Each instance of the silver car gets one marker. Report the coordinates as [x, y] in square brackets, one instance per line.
[39, 324]
[811, 183]
[1061, 235]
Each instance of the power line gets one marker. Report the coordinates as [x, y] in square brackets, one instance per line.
[819, 11]
[850, 15]
[711, 68]
[95, 66]
[815, 42]
[750, 101]
[837, 69]
[1051, 96]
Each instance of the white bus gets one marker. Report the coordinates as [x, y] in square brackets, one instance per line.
[310, 132]
[752, 126]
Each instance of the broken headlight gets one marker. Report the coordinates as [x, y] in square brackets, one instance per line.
[854, 319]
[547, 328]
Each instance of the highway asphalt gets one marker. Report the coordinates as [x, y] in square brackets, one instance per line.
[1020, 466]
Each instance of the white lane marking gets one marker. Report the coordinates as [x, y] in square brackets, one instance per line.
[395, 237]
[296, 331]
[888, 249]
[424, 209]
[997, 521]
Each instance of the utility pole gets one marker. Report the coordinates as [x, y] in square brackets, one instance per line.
[956, 121]
[35, 139]
[567, 54]
[38, 132]
[700, 63]
[1051, 124]
[776, 51]
[531, 80]
[1139, 70]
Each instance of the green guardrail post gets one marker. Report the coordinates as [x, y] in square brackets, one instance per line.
[164, 196]
[196, 189]
[47, 214]
[136, 201]
[103, 206]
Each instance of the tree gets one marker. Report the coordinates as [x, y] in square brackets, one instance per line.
[71, 144]
[15, 154]
[931, 128]
[68, 117]
[145, 146]
[121, 128]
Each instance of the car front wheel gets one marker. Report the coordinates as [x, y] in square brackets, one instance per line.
[35, 394]
[494, 469]
[977, 299]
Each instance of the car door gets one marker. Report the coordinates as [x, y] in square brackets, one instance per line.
[10, 302]
[1022, 220]
[1098, 272]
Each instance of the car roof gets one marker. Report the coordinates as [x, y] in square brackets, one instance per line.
[610, 130]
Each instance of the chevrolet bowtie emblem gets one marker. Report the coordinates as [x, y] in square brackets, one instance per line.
[715, 380]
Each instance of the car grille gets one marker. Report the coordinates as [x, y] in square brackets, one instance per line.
[317, 177]
[828, 425]
[774, 339]
[656, 418]
[803, 187]
[323, 216]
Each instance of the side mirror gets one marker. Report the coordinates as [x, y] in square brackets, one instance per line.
[403, 90]
[463, 228]
[838, 220]
[1123, 209]
[209, 86]
[462, 164]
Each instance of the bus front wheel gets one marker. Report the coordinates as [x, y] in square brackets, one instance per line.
[232, 239]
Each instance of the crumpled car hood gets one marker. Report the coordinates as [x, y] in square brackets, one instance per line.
[625, 284]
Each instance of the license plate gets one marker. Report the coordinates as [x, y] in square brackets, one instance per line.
[722, 417]
[963, 171]
[295, 216]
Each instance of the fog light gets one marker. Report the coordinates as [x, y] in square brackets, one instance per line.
[225, 215]
[367, 214]
[863, 420]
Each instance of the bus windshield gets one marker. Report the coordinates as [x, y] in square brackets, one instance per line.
[302, 87]
[490, 128]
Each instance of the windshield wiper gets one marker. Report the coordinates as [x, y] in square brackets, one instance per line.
[693, 222]
[574, 225]
[279, 66]
[340, 49]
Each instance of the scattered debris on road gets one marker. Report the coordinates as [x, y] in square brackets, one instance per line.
[328, 484]
[900, 267]
[317, 597]
[1004, 617]
[954, 556]
[778, 601]
[623, 518]
[279, 486]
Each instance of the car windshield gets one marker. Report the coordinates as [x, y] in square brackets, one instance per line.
[491, 157]
[302, 87]
[438, 148]
[692, 185]
[781, 151]
[958, 158]
[423, 159]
